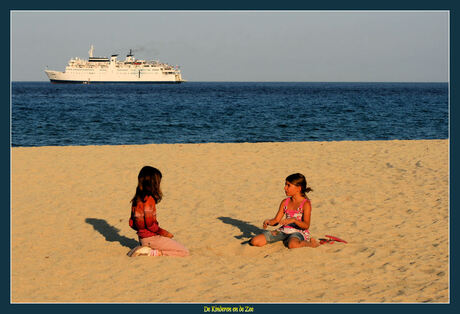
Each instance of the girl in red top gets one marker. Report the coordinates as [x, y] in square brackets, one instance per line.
[154, 240]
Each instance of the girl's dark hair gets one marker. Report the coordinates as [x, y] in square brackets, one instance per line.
[149, 179]
[298, 179]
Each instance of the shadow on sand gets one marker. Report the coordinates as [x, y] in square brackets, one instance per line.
[248, 230]
[111, 233]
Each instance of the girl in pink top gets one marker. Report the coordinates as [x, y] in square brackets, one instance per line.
[154, 241]
[294, 227]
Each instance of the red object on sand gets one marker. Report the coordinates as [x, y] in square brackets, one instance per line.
[335, 239]
[331, 240]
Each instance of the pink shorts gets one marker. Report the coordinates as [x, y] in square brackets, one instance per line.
[168, 246]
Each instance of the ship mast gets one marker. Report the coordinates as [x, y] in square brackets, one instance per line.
[91, 51]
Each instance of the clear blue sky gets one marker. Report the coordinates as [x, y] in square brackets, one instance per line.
[321, 46]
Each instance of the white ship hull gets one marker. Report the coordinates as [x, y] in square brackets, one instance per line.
[112, 77]
[105, 70]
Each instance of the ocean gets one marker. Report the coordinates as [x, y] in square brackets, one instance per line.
[45, 114]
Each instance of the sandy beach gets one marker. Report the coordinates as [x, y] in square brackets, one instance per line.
[388, 199]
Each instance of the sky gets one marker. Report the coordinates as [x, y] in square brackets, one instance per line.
[280, 46]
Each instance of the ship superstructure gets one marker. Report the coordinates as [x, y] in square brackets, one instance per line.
[111, 70]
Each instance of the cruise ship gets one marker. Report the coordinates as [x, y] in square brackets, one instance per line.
[111, 70]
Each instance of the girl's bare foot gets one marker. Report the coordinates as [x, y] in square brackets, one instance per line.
[140, 251]
[144, 251]
[312, 243]
[156, 253]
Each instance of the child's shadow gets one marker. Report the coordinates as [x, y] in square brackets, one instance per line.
[248, 230]
[110, 233]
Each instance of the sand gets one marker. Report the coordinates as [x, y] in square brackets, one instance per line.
[388, 199]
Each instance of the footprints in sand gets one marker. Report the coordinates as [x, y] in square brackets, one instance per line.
[418, 164]
[390, 166]
[370, 252]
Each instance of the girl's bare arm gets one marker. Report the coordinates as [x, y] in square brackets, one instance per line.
[276, 220]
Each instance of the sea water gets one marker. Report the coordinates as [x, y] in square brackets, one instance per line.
[44, 114]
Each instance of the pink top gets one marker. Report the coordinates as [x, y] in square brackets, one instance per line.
[297, 214]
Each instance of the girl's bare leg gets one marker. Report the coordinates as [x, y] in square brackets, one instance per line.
[312, 243]
[296, 243]
[259, 240]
